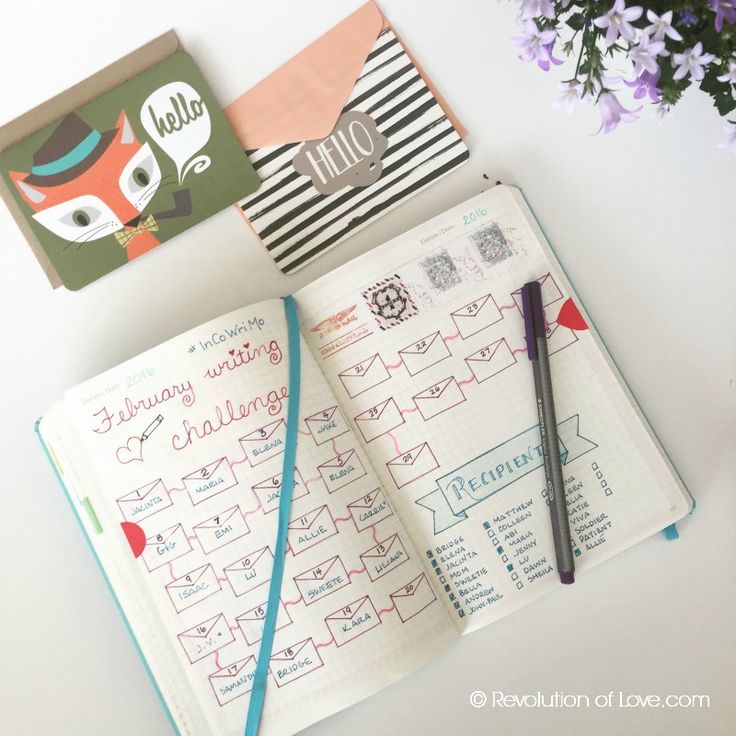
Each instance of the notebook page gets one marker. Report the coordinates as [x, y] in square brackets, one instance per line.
[183, 446]
[423, 343]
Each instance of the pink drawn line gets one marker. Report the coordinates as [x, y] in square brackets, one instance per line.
[189, 539]
[293, 603]
[386, 610]
[221, 580]
[342, 518]
[355, 572]
[333, 442]
[239, 462]
[507, 306]
[374, 534]
[312, 480]
[217, 659]
[450, 338]
[301, 431]
[394, 367]
[171, 570]
[174, 490]
[467, 381]
[246, 514]
[326, 644]
[396, 444]
[518, 350]
[408, 411]
[234, 628]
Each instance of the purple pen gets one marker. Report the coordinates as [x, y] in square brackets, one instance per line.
[536, 344]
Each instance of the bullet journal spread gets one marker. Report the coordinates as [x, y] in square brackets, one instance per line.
[418, 509]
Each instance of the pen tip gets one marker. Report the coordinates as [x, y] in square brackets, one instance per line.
[567, 578]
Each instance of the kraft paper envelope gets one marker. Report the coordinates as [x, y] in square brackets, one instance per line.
[119, 163]
[343, 132]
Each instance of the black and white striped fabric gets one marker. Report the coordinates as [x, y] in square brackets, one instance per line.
[297, 223]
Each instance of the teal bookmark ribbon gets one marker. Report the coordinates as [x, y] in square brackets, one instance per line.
[258, 694]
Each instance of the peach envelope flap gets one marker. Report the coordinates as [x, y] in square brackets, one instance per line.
[304, 97]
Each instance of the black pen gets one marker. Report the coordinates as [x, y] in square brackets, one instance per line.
[536, 343]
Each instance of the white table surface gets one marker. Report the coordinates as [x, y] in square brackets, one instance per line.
[644, 221]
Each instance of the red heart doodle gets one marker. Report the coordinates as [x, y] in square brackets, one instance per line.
[570, 316]
[130, 451]
[246, 345]
[232, 352]
[136, 537]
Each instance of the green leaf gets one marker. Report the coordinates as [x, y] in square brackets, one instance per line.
[576, 21]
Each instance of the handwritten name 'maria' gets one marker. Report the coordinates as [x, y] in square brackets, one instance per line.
[108, 418]
[271, 401]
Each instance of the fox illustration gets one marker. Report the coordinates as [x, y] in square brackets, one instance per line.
[85, 185]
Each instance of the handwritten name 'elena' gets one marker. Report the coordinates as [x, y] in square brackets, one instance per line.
[245, 355]
[107, 418]
[224, 416]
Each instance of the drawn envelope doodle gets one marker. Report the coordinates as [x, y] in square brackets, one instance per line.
[193, 587]
[268, 491]
[364, 375]
[327, 424]
[559, 337]
[491, 360]
[251, 622]
[311, 528]
[265, 442]
[413, 597]
[379, 419]
[249, 572]
[412, 464]
[166, 546]
[476, 316]
[438, 398]
[370, 509]
[384, 557]
[424, 353]
[205, 638]
[322, 580]
[144, 501]
[210, 480]
[341, 470]
[225, 527]
[234, 680]
[294, 662]
[352, 620]
[550, 292]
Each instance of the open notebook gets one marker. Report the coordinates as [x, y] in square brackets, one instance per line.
[418, 511]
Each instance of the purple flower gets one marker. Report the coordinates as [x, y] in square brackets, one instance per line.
[616, 21]
[544, 63]
[644, 54]
[530, 8]
[661, 26]
[535, 45]
[724, 10]
[730, 75]
[613, 112]
[687, 17]
[646, 84]
[729, 140]
[691, 61]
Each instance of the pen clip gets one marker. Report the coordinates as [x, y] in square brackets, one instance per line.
[528, 307]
